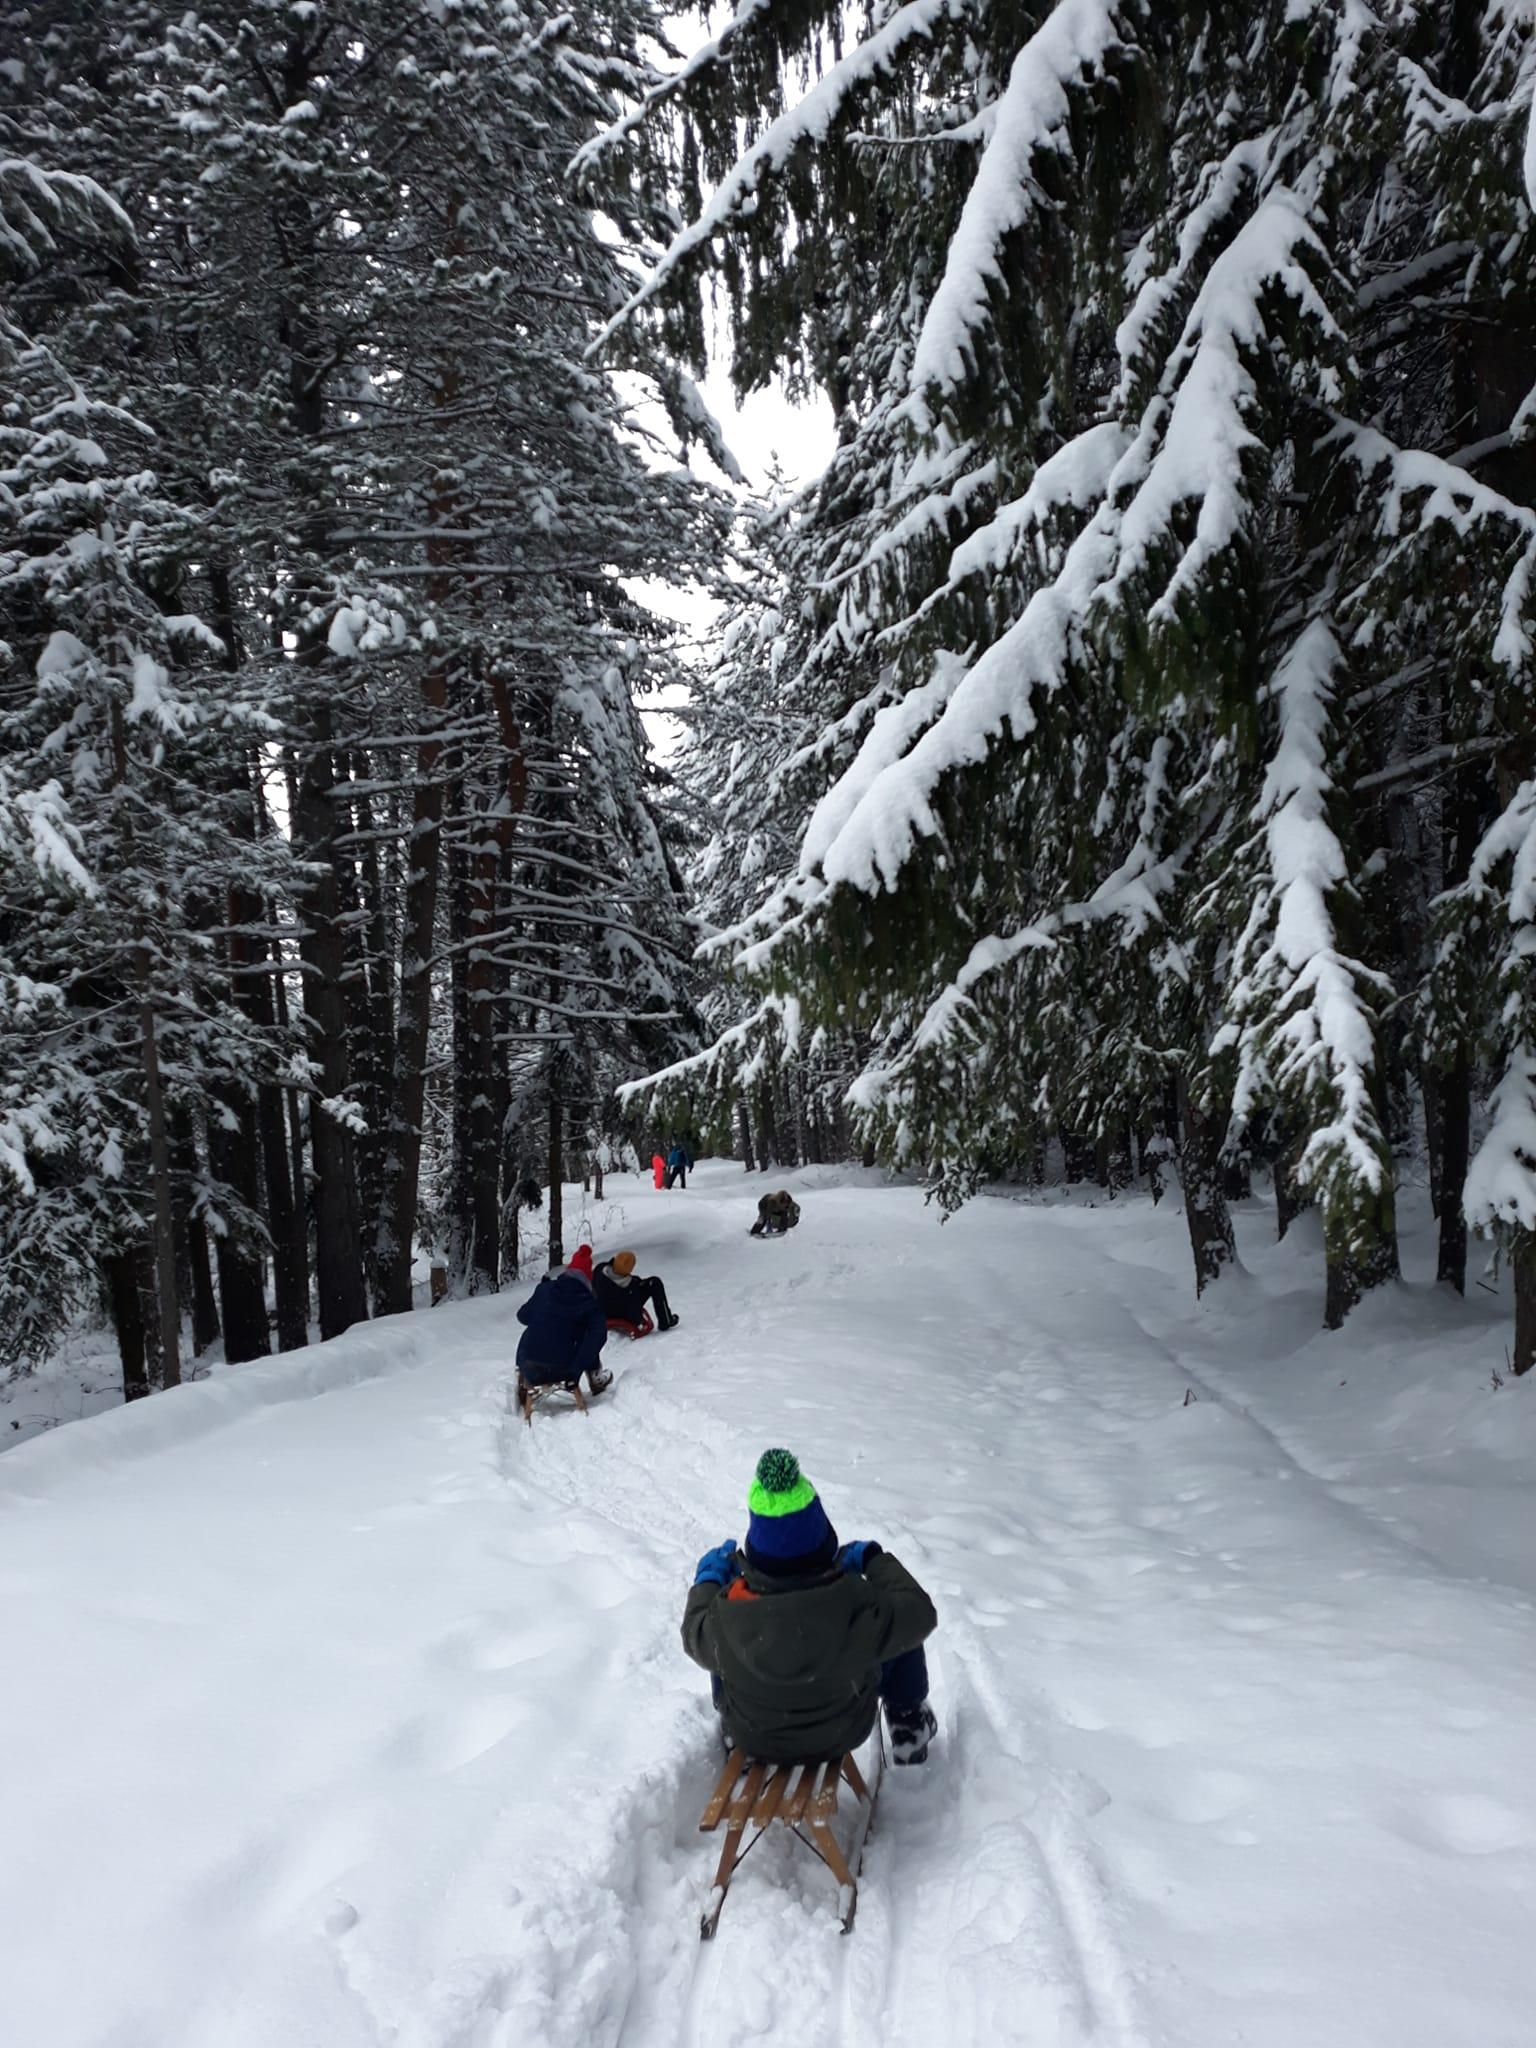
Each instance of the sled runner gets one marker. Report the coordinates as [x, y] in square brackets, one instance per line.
[528, 1397]
[803, 1797]
[634, 1331]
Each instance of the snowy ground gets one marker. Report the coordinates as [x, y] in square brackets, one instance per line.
[341, 1710]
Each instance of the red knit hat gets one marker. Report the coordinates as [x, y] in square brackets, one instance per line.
[581, 1260]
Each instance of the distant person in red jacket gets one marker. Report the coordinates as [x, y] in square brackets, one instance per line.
[658, 1170]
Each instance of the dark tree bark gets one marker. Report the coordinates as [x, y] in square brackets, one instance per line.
[121, 1272]
[235, 1158]
[477, 1064]
[291, 1260]
[322, 946]
[1078, 1157]
[770, 1153]
[1522, 1263]
[556, 1175]
[164, 1238]
[373, 1012]
[1361, 1253]
[192, 1239]
[1205, 1209]
[1290, 1198]
[401, 1176]
[311, 362]
[1429, 1089]
[1455, 1101]
[744, 1134]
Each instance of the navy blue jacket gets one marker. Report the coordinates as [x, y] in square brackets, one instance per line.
[564, 1330]
[679, 1156]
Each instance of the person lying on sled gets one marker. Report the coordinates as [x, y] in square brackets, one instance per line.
[776, 1214]
[624, 1296]
[564, 1329]
[804, 1640]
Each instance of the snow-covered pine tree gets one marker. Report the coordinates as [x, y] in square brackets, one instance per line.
[1174, 539]
[358, 322]
[124, 1040]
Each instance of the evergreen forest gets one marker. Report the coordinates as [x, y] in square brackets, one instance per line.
[1117, 762]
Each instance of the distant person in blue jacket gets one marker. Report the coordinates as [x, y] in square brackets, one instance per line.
[679, 1165]
[564, 1329]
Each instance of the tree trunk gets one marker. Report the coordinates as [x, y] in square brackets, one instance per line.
[338, 1236]
[400, 1180]
[373, 1010]
[286, 1227]
[556, 1176]
[1290, 1198]
[168, 1303]
[1434, 1137]
[1205, 1209]
[1103, 1171]
[311, 366]
[192, 1240]
[744, 1133]
[235, 1158]
[1360, 1246]
[1078, 1157]
[122, 1278]
[477, 1064]
[292, 1267]
[1455, 1102]
[1522, 1264]
[511, 1249]
[770, 1153]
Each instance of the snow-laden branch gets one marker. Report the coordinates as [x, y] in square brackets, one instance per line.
[1305, 1030]
[1071, 49]
[1187, 453]
[1500, 1192]
[744, 1051]
[809, 121]
[668, 87]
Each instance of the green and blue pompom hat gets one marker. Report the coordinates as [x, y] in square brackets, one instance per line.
[787, 1527]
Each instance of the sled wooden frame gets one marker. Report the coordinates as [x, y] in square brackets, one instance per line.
[801, 1797]
[528, 1396]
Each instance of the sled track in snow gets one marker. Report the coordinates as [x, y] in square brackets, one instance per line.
[608, 1466]
[979, 1873]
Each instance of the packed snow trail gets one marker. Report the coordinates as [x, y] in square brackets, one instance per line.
[341, 1708]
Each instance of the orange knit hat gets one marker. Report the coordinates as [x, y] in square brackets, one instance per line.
[624, 1262]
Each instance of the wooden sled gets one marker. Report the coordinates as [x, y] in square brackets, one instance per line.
[528, 1397]
[803, 1798]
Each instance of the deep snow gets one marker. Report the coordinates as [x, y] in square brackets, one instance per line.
[341, 1709]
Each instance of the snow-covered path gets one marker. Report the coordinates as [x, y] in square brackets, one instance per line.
[340, 1709]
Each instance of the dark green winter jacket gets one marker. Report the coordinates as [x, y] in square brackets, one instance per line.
[799, 1660]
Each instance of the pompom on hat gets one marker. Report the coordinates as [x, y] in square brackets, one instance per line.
[787, 1528]
[581, 1260]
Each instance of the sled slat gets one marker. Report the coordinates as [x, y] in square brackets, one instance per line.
[772, 1798]
[792, 1812]
[747, 1794]
[714, 1811]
